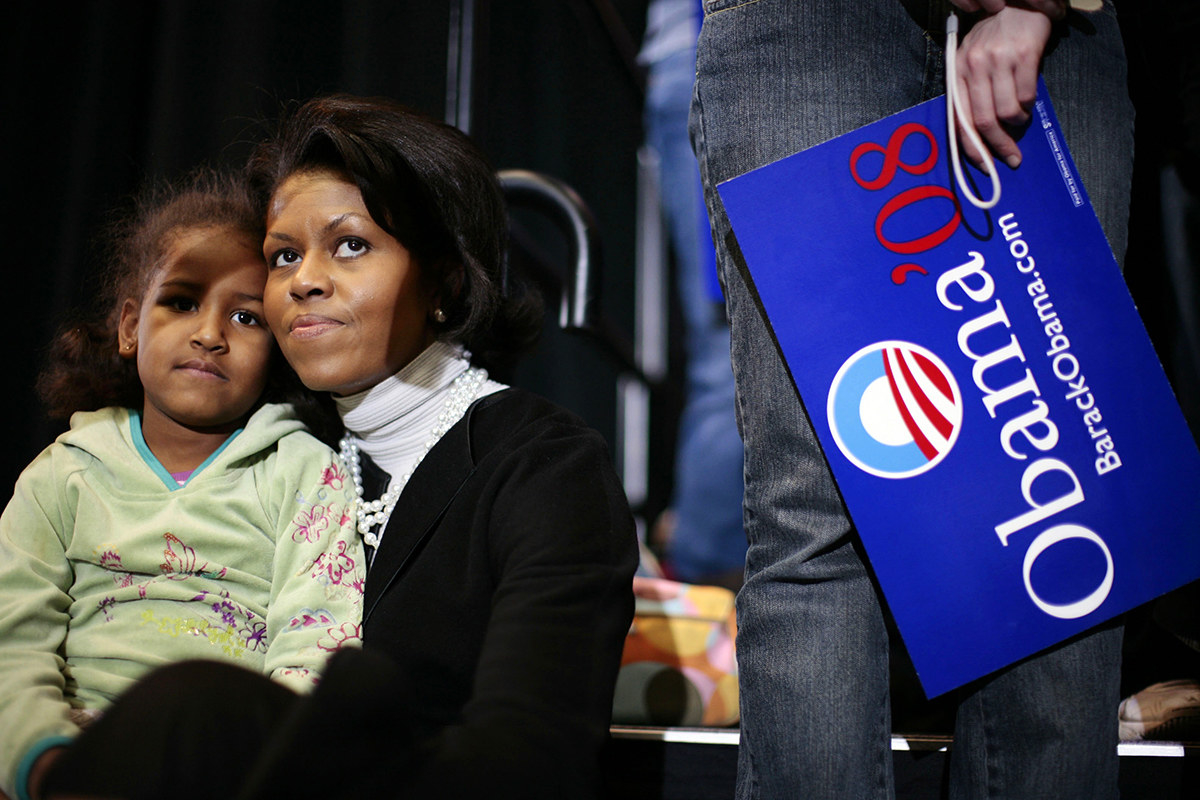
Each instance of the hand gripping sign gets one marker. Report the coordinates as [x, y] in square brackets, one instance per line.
[986, 395]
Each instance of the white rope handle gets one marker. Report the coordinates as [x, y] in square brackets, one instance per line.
[953, 109]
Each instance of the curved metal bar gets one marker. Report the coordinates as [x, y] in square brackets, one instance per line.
[580, 308]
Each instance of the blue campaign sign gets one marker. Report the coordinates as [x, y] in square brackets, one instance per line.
[987, 397]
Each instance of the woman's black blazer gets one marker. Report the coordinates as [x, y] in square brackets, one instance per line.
[501, 592]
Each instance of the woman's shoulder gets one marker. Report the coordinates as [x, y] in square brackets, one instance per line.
[521, 406]
[517, 414]
[519, 427]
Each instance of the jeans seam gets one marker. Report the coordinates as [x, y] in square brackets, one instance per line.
[708, 13]
[887, 786]
[991, 777]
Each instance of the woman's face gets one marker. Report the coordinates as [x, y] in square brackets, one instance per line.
[344, 299]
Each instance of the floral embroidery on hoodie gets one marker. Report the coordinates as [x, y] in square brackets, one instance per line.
[179, 565]
[110, 559]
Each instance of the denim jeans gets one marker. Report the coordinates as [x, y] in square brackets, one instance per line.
[708, 540]
[775, 77]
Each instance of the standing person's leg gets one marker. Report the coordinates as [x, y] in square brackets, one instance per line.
[775, 77]
[708, 543]
[1047, 728]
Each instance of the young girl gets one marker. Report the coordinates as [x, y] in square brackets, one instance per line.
[179, 517]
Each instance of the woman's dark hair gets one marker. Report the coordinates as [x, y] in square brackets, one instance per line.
[84, 369]
[430, 188]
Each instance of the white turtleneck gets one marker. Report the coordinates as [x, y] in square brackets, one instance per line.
[392, 421]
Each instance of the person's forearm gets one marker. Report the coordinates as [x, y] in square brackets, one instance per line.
[1054, 9]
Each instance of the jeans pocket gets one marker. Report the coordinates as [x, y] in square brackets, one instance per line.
[714, 6]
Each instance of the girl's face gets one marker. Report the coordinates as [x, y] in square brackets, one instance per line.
[344, 299]
[198, 334]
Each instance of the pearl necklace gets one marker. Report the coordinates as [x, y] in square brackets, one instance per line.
[372, 513]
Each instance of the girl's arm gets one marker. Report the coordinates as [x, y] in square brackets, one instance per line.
[40, 767]
[35, 578]
[320, 566]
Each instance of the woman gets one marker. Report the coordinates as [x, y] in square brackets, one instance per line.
[502, 547]
[500, 542]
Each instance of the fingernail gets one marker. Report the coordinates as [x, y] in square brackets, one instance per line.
[1013, 161]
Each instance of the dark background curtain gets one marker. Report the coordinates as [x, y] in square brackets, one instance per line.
[100, 96]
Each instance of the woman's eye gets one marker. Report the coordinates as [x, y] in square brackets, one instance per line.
[246, 318]
[350, 248]
[284, 258]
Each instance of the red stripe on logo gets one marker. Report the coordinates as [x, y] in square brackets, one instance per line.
[924, 444]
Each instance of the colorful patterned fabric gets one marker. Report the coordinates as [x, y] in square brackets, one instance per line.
[678, 666]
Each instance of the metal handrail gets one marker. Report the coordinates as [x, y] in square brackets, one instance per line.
[580, 307]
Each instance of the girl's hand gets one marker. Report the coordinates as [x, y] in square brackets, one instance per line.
[997, 77]
[40, 767]
[1054, 9]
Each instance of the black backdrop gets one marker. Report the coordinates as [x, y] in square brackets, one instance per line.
[99, 96]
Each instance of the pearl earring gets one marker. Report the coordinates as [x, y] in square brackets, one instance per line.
[439, 315]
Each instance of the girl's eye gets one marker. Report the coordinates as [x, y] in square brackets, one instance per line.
[350, 248]
[181, 303]
[284, 258]
[246, 318]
